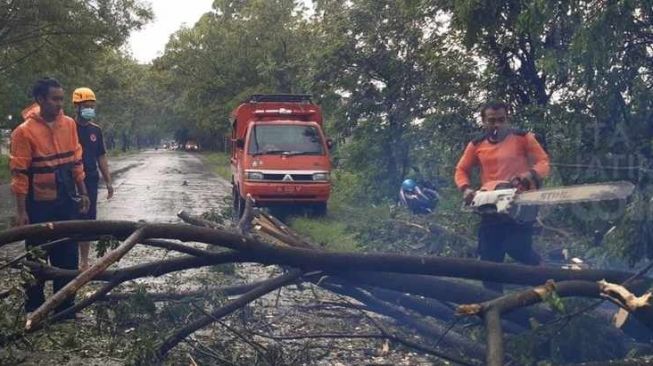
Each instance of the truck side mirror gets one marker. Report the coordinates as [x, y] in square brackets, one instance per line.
[240, 143]
[329, 143]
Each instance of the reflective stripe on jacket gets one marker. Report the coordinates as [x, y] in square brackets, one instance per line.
[42, 157]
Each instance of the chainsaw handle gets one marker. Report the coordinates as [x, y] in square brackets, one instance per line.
[522, 184]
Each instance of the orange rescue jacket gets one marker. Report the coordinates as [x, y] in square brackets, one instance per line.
[39, 152]
[517, 154]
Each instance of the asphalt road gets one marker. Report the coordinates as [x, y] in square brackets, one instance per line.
[155, 185]
[151, 186]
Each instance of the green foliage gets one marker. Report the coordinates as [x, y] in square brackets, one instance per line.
[554, 301]
[328, 232]
[220, 163]
[384, 72]
[58, 38]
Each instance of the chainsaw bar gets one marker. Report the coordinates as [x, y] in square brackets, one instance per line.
[577, 194]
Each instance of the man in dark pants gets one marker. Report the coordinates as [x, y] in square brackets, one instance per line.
[47, 177]
[508, 157]
[94, 155]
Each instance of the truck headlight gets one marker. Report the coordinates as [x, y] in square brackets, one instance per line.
[321, 176]
[254, 176]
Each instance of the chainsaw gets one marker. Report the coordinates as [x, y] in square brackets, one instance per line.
[522, 205]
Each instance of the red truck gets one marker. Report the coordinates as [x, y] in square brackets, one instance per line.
[280, 155]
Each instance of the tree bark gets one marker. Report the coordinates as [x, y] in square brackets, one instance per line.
[334, 262]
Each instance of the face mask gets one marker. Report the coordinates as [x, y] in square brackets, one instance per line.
[87, 113]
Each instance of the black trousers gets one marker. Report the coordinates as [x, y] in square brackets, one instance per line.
[64, 255]
[496, 239]
[92, 188]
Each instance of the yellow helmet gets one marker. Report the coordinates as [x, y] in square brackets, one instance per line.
[83, 95]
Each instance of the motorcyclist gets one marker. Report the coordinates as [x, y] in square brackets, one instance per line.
[418, 200]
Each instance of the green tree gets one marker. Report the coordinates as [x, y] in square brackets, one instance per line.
[58, 37]
[238, 49]
[390, 66]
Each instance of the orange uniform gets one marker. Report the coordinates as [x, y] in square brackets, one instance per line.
[516, 154]
[43, 156]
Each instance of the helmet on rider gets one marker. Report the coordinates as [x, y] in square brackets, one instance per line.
[408, 185]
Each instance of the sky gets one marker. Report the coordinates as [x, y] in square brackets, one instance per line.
[169, 15]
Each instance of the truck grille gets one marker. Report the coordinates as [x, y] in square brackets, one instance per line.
[295, 177]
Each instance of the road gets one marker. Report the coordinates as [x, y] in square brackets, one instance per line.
[157, 184]
[152, 186]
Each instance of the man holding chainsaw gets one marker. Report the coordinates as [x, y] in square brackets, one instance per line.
[507, 158]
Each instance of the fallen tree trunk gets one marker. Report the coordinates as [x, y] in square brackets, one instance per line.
[335, 262]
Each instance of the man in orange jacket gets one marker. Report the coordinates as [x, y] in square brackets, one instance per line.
[503, 154]
[48, 177]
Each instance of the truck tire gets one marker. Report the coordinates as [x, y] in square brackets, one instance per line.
[238, 205]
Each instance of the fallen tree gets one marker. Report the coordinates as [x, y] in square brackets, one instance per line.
[381, 281]
[309, 259]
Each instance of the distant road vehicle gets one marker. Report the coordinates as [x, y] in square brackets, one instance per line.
[279, 154]
[191, 146]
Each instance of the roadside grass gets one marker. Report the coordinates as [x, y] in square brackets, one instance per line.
[328, 232]
[4, 169]
[219, 163]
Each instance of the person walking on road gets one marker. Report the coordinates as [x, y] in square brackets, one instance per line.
[94, 155]
[510, 157]
[48, 177]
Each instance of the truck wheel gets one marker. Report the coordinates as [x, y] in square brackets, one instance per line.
[319, 209]
[238, 204]
[241, 207]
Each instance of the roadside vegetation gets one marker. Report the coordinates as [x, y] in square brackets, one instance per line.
[219, 163]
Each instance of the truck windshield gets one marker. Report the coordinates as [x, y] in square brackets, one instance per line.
[285, 139]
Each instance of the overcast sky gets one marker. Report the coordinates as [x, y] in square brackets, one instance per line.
[169, 15]
[149, 43]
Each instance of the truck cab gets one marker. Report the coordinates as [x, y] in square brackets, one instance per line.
[280, 155]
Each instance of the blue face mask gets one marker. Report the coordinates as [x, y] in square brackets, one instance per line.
[87, 113]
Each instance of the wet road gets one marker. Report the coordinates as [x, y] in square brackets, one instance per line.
[151, 186]
[157, 184]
